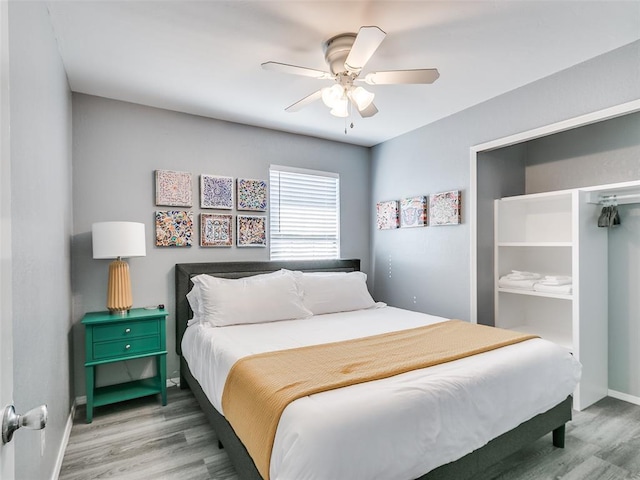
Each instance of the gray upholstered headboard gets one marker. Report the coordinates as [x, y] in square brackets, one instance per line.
[184, 272]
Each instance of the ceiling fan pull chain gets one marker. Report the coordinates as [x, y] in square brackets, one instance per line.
[345, 118]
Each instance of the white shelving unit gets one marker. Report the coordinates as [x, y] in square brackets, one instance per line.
[556, 233]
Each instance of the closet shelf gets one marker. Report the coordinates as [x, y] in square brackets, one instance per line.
[535, 293]
[552, 334]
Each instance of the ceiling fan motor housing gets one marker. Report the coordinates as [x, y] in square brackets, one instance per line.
[336, 51]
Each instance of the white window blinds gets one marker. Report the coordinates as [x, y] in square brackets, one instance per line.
[305, 213]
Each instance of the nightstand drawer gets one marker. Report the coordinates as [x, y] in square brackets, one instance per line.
[126, 330]
[134, 346]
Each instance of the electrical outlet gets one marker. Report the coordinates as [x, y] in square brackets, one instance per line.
[42, 442]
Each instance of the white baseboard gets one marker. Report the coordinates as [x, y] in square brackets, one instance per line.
[65, 441]
[624, 396]
[171, 382]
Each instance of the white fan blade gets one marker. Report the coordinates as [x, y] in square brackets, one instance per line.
[305, 101]
[370, 111]
[364, 46]
[427, 75]
[295, 70]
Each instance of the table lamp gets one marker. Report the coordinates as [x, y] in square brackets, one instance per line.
[118, 240]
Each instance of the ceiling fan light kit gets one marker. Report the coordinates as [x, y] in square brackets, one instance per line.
[347, 54]
[338, 96]
[362, 97]
[332, 96]
[341, 110]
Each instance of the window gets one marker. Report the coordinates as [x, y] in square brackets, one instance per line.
[305, 213]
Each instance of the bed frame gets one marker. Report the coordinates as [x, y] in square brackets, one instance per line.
[465, 468]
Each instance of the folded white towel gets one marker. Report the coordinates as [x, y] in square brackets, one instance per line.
[557, 277]
[556, 280]
[523, 275]
[561, 289]
[520, 275]
[506, 282]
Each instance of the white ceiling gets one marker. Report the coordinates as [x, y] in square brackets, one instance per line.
[203, 57]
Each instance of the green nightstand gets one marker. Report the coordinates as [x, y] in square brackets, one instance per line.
[114, 338]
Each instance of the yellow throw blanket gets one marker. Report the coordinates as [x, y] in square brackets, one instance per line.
[259, 387]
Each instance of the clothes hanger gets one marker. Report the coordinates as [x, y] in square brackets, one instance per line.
[609, 216]
[614, 216]
[603, 219]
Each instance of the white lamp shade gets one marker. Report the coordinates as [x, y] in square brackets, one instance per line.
[118, 239]
[332, 96]
[341, 109]
[362, 97]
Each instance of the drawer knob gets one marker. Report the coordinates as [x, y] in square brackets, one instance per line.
[127, 330]
[127, 347]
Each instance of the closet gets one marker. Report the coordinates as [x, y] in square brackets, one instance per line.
[597, 156]
[556, 234]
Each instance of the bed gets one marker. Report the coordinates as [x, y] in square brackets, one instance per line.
[462, 466]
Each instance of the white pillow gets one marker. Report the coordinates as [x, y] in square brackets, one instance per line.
[256, 299]
[193, 297]
[335, 292]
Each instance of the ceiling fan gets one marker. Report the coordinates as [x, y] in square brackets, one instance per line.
[347, 54]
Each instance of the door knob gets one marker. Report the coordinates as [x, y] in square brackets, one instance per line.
[34, 419]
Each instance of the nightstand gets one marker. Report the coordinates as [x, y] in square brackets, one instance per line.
[115, 338]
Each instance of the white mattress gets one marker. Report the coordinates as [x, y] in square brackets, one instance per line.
[397, 428]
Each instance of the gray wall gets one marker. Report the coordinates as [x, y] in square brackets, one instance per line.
[428, 269]
[607, 152]
[500, 173]
[117, 146]
[41, 230]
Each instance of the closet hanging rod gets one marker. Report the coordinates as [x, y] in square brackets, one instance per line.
[619, 199]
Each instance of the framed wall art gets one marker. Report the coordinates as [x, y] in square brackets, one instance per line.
[216, 230]
[444, 208]
[252, 195]
[413, 212]
[174, 228]
[173, 188]
[216, 192]
[387, 215]
[251, 231]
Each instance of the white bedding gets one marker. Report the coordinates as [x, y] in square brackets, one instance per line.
[397, 428]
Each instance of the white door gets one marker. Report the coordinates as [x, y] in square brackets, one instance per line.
[6, 337]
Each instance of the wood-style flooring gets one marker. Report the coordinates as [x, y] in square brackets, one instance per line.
[140, 439]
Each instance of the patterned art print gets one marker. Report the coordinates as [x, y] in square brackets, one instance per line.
[174, 228]
[252, 231]
[215, 230]
[387, 215]
[216, 192]
[413, 212]
[444, 208]
[252, 195]
[173, 188]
